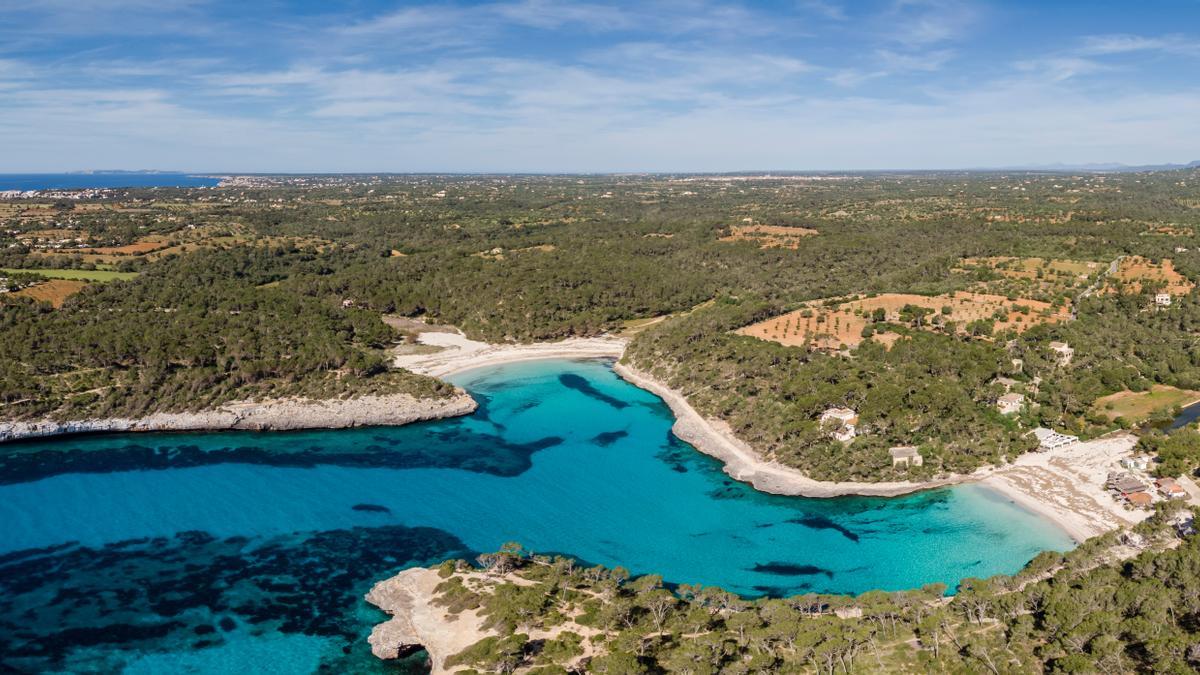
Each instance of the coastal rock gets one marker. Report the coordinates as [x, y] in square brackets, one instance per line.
[273, 415]
[743, 463]
[417, 623]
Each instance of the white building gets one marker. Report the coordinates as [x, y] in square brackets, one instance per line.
[1139, 462]
[1162, 299]
[841, 423]
[1010, 404]
[906, 455]
[1048, 439]
[1064, 351]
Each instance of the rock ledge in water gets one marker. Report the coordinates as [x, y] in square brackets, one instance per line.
[417, 623]
[277, 415]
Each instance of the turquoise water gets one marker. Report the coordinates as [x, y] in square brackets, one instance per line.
[284, 532]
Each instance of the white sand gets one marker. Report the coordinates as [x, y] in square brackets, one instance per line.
[1067, 485]
[459, 353]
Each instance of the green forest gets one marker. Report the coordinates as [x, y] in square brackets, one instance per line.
[1105, 607]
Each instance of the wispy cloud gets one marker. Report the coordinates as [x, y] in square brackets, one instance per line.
[1105, 45]
[1060, 68]
[919, 23]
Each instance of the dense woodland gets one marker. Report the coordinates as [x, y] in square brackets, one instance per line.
[1105, 607]
[191, 333]
[269, 290]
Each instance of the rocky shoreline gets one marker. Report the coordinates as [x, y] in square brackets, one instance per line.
[271, 415]
[743, 463]
[416, 623]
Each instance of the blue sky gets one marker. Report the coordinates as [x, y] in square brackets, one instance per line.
[538, 85]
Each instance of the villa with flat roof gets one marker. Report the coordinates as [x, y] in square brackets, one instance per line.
[1048, 439]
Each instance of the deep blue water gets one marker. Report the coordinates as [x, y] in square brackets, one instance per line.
[67, 181]
[203, 552]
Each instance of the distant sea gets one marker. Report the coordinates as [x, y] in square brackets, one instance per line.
[69, 181]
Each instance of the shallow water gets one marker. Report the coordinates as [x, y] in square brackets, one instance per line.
[284, 532]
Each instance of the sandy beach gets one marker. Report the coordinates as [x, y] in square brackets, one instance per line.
[1067, 485]
[457, 353]
[1064, 485]
[274, 415]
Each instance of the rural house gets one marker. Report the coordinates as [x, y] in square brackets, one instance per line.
[1162, 299]
[841, 423]
[1064, 351]
[906, 455]
[1010, 404]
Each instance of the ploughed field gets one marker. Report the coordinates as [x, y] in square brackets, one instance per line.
[840, 326]
[1043, 279]
[770, 236]
[1134, 271]
[54, 291]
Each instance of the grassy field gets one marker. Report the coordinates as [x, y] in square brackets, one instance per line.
[85, 275]
[1136, 406]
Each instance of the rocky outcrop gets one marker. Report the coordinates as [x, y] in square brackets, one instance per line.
[274, 415]
[417, 623]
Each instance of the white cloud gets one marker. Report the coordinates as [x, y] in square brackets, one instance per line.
[834, 11]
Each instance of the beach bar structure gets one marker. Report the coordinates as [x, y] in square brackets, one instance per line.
[1171, 489]
[1129, 488]
[1125, 483]
[1049, 439]
[1141, 500]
